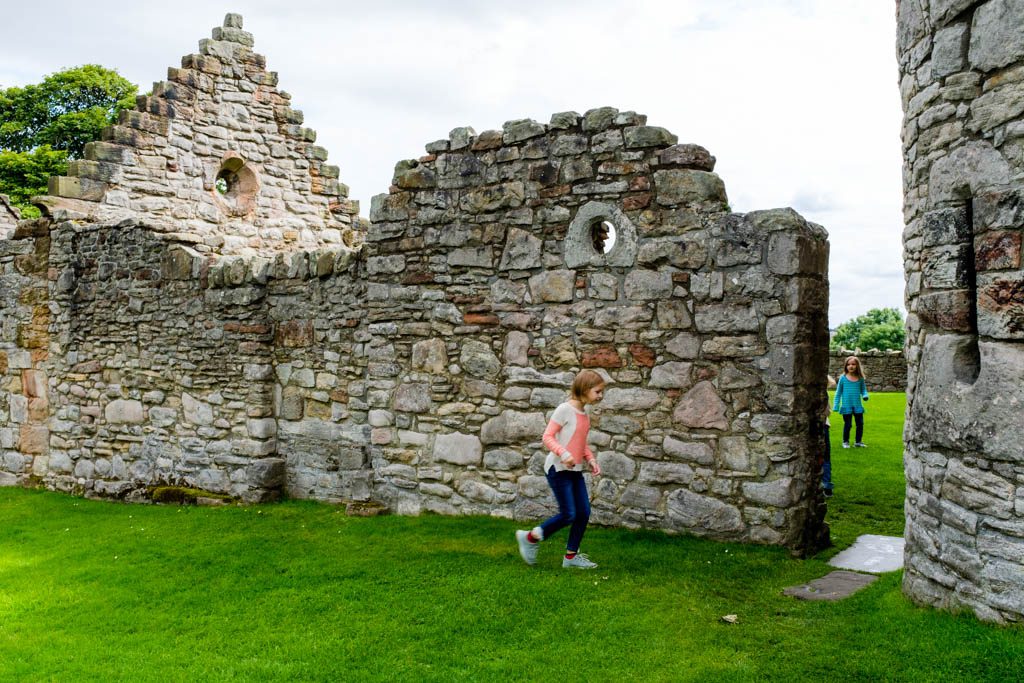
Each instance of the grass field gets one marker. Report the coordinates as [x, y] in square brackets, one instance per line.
[300, 592]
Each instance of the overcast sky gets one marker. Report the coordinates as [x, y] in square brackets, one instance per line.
[798, 99]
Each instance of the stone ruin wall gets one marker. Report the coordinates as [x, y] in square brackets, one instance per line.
[885, 370]
[484, 294]
[145, 343]
[9, 217]
[962, 82]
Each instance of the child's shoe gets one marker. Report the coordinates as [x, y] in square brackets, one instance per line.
[860, 445]
[579, 561]
[527, 550]
[846, 445]
[827, 493]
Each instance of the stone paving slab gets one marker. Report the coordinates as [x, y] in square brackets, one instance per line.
[832, 587]
[871, 553]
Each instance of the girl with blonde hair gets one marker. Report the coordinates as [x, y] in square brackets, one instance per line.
[851, 390]
[566, 441]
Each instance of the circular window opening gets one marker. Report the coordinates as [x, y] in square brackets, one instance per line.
[235, 187]
[602, 236]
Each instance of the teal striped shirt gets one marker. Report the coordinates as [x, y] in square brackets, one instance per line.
[849, 395]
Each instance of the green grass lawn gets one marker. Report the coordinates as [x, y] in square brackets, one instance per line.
[298, 591]
[869, 484]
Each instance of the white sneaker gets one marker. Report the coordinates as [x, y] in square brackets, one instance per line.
[860, 445]
[580, 561]
[846, 445]
[527, 550]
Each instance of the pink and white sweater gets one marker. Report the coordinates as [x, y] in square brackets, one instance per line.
[567, 433]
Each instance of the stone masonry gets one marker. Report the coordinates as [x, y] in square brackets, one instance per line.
[885, 370]
[201, 305]
[9, 217]
[962, 82]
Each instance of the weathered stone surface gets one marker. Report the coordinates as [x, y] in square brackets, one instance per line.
[648, 285]
[726, 318]
[684, 187]
[665, 473]
[629, 399]
[700, 453]
[701, 515]
[197, 412]
[522, 251]
[671, 375]
[687, 156]
[413, 397]
[779, 493]
[616, 466]
[479, 360]
[701, 408]
[949, 53]
[458, 449]
[995, 38]
[123, 411]
[513, 427]
[430, 355]
[553, 286]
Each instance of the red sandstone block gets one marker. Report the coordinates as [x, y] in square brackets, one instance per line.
[642, 355]
[636, 202]
[997, 251]
[480, 319]
[640, 184]
[33, 439]
[603, 357]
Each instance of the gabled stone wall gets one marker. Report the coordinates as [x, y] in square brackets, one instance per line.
[164, 332]
[219, 116]
[962, 82]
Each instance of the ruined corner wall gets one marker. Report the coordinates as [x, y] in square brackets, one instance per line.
[130, 361]
[24, 350]
[484, 294]
[962, 83]
[885, 370]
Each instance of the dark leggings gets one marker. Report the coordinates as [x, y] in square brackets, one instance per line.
[847, 419]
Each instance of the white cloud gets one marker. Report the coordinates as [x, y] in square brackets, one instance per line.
[797, 99]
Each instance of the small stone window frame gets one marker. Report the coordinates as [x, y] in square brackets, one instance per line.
[579, 241]
[235, 186]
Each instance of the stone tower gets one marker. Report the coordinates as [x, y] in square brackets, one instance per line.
[962, 83]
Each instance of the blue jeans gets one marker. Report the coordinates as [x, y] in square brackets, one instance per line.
[573, 506]
[847, 419]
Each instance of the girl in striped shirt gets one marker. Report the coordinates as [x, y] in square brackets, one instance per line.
[851, 390]
[566, 441]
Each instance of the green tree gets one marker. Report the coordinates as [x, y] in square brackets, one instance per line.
[45, 124]
[879, 328]
[25, 174]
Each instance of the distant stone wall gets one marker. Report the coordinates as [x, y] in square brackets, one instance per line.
[885, 370]
[157, 333]
[962, 82]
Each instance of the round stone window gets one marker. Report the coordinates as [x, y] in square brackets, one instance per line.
[235, 187]
[600, 235]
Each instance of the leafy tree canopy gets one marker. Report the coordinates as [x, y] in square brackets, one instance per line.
[43, 125]
[879, 328]
[67, 110]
